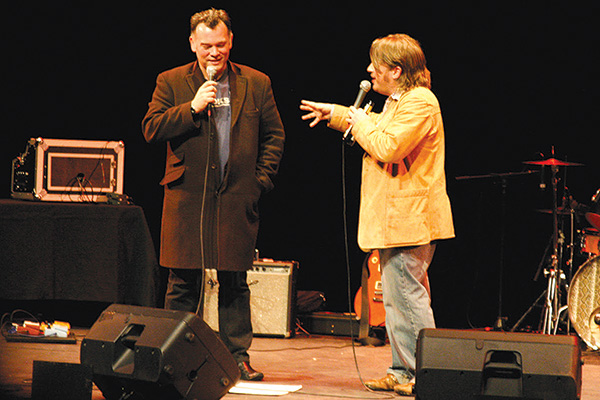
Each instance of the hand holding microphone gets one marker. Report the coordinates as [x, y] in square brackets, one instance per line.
[355, 114]
[207, 93]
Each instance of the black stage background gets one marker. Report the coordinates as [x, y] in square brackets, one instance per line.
[514, 79]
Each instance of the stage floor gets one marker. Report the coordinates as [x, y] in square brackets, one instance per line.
[326, 367]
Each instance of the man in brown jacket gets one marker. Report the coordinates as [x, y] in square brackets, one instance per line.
[224, 140]
[404, 207]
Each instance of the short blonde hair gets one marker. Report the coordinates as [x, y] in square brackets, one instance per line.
[400, 50]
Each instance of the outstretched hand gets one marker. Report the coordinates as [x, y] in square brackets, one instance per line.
[316, 111]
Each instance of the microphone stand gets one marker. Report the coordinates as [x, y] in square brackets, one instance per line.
[500, 319]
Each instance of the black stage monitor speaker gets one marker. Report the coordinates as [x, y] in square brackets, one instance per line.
[151, 354]
[481, 365]
[61, 381]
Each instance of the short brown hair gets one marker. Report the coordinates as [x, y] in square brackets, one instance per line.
[400, 50]
[210, 18]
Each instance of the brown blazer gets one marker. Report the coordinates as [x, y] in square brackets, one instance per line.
[231, 218]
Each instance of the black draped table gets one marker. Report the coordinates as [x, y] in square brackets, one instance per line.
[76, 251]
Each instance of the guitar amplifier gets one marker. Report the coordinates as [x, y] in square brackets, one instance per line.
[272, 298]
[68, 170]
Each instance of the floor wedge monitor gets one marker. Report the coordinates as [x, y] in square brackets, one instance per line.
[151, 354]
[482, 365]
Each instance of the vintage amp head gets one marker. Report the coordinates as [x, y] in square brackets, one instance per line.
[68, 170]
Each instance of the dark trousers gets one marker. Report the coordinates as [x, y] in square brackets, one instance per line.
[235, 326]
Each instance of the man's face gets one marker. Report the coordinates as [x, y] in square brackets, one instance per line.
[212, 46]
[384, 78]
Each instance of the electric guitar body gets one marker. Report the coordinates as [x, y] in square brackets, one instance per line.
[375, 293]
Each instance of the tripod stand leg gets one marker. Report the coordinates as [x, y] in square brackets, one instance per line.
[560, 311]
[528, 311]
[549, 308]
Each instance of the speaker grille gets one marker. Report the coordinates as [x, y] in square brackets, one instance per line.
[272, 298]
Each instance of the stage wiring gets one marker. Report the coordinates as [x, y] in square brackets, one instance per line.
[347, 257]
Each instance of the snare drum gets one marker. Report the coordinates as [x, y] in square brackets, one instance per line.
[584, 302]
[589, 243]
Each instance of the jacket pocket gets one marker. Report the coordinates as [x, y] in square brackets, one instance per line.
[252, 113]
[406, 216]
[174, 169]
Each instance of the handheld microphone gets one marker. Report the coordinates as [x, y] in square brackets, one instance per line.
[348, 138]
[211, 71]
[363, 89]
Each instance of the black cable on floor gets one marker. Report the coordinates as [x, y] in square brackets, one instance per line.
[347, 256]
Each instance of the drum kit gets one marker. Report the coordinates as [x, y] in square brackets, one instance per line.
[582, 283]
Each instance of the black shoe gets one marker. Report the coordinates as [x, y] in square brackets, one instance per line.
[248, 373]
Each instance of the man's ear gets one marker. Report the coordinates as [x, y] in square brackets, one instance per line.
[192, 43]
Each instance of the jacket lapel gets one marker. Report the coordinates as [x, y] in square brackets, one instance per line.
[238, 85]
[194, 78]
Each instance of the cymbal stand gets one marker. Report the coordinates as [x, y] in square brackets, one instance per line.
[567, 205]
[556, 277]
[554, 274]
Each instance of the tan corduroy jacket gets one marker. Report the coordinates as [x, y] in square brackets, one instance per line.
[403, 192]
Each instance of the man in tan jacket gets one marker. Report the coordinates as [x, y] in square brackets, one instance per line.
[404, 206]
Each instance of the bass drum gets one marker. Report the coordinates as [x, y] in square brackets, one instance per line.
[584, 302]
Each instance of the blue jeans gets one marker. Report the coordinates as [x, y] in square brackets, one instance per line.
[407, 303]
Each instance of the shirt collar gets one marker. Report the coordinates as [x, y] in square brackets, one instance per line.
[396, 95]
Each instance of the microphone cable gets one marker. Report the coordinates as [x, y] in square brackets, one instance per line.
[349, 286]
[211, 71]
[347, 258]
[202, 207]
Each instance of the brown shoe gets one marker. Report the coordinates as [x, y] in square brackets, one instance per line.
[405, 389]
[388, 383]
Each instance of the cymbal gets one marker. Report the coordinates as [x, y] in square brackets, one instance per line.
[593, 219]
[560, 211]
[553, 161]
